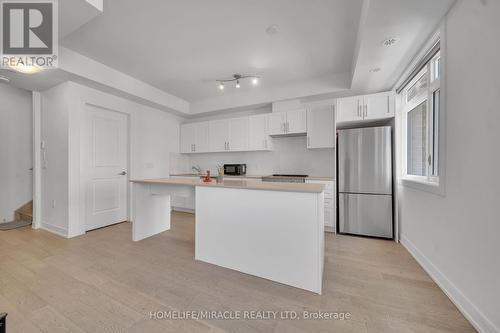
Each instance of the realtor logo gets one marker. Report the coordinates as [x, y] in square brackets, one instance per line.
[29, 33]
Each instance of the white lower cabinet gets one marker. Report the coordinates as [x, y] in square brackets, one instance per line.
[330, 202]
[182, 202]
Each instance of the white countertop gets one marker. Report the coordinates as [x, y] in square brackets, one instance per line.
[251, 184]
[319, 178]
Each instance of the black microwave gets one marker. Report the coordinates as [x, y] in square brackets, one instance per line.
[235, 169]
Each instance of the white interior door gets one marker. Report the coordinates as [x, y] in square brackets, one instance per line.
[105, 167]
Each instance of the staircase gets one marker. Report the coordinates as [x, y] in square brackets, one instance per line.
[23, 218]
[25, 212]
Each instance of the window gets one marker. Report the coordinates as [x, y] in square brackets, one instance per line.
[421, 107]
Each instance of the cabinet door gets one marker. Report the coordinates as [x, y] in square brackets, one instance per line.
[218, 132]
[187, 139]
[321, 127]
[349, 109]
[202, 139]
[378, 106]
[259, 132]
[238, 134]
[296, 121]
[277, 123]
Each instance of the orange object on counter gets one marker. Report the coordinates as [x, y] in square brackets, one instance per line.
[207, 178]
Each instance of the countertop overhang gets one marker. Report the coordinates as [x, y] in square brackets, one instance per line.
[249, 184]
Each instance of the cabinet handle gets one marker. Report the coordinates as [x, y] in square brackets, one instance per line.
[308, 141]
[359, 110]
[194, 147]
[365, 114]
[228, 145]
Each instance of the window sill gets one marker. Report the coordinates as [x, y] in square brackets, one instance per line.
[425, 186]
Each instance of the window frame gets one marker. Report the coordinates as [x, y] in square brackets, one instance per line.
[430, 182]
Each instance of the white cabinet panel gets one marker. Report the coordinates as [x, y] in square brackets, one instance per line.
[259, 132]
[238, 134]
[194, 137]
[349, 109]
[187, 139]
[378, 106]
[277, 122]
[330, 201]
[296, 121]
[321, 127]
[368, 107]
[202, 138]
[219, 135]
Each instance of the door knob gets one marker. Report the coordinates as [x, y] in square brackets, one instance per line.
[123, 173]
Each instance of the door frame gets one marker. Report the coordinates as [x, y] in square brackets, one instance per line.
[82, 173]
[37, 164]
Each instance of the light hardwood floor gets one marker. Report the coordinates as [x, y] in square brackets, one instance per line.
[104, 282]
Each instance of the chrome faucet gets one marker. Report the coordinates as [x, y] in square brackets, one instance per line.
[196, 168]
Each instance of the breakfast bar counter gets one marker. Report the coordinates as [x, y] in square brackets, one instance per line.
[271, 230]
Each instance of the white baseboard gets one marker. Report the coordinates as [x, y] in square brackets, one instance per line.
[54, 229]
[466, 307]
[183, 210]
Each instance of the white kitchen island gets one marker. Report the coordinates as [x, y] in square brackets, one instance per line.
[270, 230]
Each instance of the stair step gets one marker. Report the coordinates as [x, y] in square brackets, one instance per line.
[25, 212]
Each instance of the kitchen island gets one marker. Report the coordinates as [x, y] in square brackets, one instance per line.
[271, 230]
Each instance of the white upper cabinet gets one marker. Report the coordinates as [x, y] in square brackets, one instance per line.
[349, 109]
[378, 106]
[202, 137]
[296, 121]
[368, 107]
[259, 132]
[219, 135]
[321, 127]
[238, 134]
[289, 122]
[187, 138]
[194, 138]
[277, 123]
[229, 134]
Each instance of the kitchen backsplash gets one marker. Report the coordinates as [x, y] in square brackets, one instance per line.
[289, 155]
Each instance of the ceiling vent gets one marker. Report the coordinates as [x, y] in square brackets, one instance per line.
[390, 41]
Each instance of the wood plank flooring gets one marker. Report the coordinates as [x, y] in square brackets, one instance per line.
[104, 282]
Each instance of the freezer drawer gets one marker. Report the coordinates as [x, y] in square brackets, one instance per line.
[365, 214]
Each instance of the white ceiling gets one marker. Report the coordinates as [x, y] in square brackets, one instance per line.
[182, 46]
[411, 21]
[324, 49]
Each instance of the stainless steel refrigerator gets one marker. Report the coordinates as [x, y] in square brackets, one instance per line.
[365, 181]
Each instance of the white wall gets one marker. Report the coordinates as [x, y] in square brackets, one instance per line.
[16, 150]
[456, 236]
[154, 136]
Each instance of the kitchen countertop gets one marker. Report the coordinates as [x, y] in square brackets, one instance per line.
[250, 184]
[250, 176]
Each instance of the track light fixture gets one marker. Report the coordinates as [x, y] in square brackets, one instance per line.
[238, 78]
